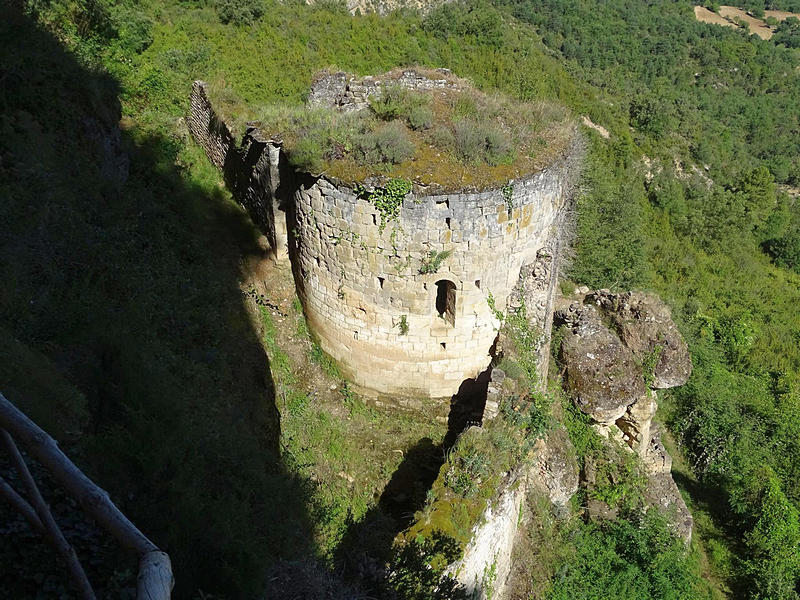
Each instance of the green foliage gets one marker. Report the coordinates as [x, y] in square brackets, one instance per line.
[508, 197]
[324, 360]
[388, 144]
[417, 568]
[649, 365]
[239, 12]
[402, 325]
[618, 479]
[627, 559]
[475, 142]
[498, 314]
[774, 541]
[468, 467]
[532, 415]
[478, 20]
[399, 103]
[387, 199]
[434, 260]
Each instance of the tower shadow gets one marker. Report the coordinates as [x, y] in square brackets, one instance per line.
[125, 335]
[367, 546]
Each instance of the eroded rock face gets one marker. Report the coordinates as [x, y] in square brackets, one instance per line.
[661, 490]
[645, 326]
[602, 374]
[555, 472]
[616, 347]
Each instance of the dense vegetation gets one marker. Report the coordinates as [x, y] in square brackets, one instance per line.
[124, 296]
[712, 97]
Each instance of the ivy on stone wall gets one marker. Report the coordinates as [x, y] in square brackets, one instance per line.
[387, 199]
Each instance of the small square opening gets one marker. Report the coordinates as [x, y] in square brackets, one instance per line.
[478, 283]
[443, 345]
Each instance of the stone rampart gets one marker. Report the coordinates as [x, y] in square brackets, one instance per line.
[348, 93]
[252, 171]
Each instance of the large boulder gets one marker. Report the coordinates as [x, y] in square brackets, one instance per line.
[602, 374]
[616, 347]
[644, 324]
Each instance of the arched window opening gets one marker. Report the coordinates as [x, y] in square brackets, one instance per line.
[446, 300]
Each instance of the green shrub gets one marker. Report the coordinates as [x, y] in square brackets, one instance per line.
[388, 144]
[307, 155]
[498, 148]
[477, 142]
[417, 568]
[433, 261]
[402, 324]
[399, 103]
[469, 140]
[627, 560]
[469, 465]
[420, 117]
[239, 12]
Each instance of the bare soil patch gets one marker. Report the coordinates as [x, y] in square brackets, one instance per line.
[704, 15]
[729, 14]
[757, 26]
[781, 15]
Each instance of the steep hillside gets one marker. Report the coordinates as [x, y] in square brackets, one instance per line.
[126, 332]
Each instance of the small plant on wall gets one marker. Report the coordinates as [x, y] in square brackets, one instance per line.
[402, 325]
[434, 260]
[508, 198]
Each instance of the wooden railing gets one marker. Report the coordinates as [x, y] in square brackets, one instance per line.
[155, 580]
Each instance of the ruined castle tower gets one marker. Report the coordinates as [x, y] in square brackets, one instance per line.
[407, 306]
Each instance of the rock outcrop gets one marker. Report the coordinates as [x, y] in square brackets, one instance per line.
[555, 472]
[618, 348]
[486, 563]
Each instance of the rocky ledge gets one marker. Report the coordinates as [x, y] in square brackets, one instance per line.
[618, 349]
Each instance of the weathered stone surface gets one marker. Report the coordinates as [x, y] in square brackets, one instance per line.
[349, 93]
[605, 376]
[602, 375]
[661, 490]
[555, 471]
[645, 326]
[486, 563]
[635, 423]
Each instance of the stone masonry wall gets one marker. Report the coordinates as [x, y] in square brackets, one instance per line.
[357, 283]
[347, 93]
[253, 171]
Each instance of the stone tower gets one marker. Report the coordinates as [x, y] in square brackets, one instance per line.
[396, 325]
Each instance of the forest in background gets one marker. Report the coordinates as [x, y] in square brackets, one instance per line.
[674, 93]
